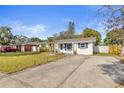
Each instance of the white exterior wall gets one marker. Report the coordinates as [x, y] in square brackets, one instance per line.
[66, 52]
[34, 48]
[57, 49]
[79, 51]
[85, 51]
[22, 48]
[122, 52]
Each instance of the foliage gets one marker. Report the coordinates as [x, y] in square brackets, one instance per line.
[78, 36]
[114, 19]
[5, 35]
[66, 34]
[88, 32]
[35, 39]
[50, 39]
[114, 16]
[115, 49]
[114, 37]
[71, 30]
[3, 42]
[104, 54]
[44, 49]
[17, 39]
[18, 63]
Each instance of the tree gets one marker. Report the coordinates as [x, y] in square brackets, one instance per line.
[5, 35]
[114, 19]
[113, 16]
[88, 32]
[35, 39]
[113, 37]
[50, 39]
[66, 34]
[71, 30]
[18, 39]
[62, 35]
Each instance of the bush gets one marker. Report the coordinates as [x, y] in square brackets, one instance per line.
[44, 50]
[115, 49]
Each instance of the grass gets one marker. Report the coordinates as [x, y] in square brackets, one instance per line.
[17, 53]
[117, 56]
[11, 64]
[121, 59]
[105, 54]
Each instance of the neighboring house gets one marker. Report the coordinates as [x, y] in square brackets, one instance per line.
[24, 47]
[81, 46]
[29, 47]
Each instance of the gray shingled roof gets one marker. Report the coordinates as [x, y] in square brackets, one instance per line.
[74, 40]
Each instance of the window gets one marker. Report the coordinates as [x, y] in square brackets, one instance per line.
[66, 46]
[69, 46]
[82, 45]
[61, 46]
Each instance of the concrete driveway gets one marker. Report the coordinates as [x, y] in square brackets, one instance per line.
[72, 71]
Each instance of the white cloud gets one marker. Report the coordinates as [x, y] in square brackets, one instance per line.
[92, 23]
[28, 30]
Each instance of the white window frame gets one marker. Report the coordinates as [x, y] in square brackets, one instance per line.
[64, 46]
[82, 45]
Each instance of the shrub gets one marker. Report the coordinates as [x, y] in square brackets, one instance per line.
[44, 50]
[115, 49]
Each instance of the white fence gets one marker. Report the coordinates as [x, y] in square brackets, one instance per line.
[101, 49]
[122, 52]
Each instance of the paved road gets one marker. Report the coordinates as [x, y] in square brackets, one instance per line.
[72, 71]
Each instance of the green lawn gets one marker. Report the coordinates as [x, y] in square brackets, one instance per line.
[17, 53]
[10, 64]
[105, 54]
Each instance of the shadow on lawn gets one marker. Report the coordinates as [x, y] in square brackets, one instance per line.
[115, 71]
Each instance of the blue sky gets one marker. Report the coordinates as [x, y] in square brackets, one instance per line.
[44, 21]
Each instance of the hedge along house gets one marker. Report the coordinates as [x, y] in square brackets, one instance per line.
[81, 46]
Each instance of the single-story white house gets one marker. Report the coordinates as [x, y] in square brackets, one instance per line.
[81, 46]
